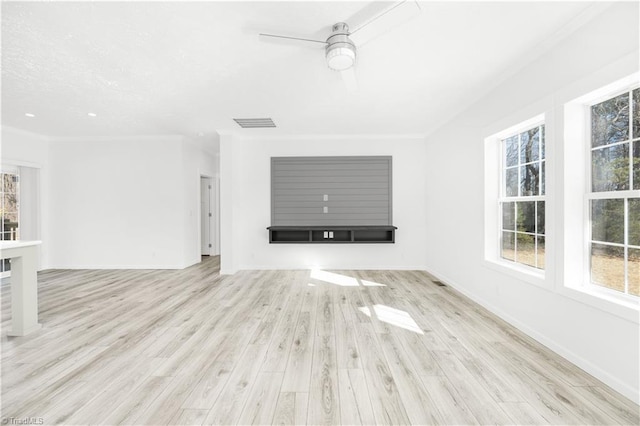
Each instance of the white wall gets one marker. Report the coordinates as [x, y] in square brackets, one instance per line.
[601, 338]
[128, 202]
[20, 148]
[125, 202]
[117, 203]
[246, 204]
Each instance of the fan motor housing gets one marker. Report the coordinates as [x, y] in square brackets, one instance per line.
[340, 50]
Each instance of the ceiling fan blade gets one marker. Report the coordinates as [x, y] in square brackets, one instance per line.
[276, 37]
[385, 20]
[349, 79]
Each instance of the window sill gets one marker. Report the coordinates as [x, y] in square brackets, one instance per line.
[619, 305]
[524, 273]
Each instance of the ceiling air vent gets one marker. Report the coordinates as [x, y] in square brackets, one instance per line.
[254, 123]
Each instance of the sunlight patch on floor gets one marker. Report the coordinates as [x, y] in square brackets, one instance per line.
[333, 278]
[371, 284]
[392, 316]
[342, 280]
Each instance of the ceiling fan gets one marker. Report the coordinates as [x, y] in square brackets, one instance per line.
[341, 45]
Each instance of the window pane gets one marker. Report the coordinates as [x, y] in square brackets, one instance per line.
[511, 178]
[610, 121]
[511, 150]
[610, 168]
[540, 252]
[529, 145]
[636, 164]
[10, 218]
[634, 221]
[529, 179]
[607, 220]
[10, 203]
[542, 142]
[10, 226]
[9, 183]
[633, 268]
[636, 113]
[508, 245]
[526, 249]
[540, 217]
[607, 266]
[526, 216]
[509, 216]
[543, 185]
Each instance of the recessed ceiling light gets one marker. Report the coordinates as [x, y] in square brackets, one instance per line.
[28, 114]
[92, 114]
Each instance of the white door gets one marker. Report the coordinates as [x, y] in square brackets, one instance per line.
[205, 215]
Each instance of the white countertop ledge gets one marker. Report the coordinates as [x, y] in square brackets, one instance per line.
[18, 243]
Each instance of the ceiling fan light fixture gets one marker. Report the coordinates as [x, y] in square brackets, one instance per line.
[340, 51]
[340, 58]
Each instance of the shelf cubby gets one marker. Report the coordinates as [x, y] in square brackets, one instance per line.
[331, 234]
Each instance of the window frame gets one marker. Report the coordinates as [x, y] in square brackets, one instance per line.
[493, 171]
[503, 198]
[590, 195]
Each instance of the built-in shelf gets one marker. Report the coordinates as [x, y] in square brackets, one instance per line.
[332, 234]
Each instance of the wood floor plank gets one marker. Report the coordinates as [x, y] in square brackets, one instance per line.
[346, 345]
[451, 405]
[481, 404]
[229, 405]
[355, 403]
[323, 392]
[189, 417]
[417, 349]
[488, 377]
[523, 413]
[113, 394]
[325, 320]
[548, 405]
[387, 404]
[297, 374]
[302, 407]
[619, 407]
[283, 347]
[572, 402]
[420, 408]
[215, 376]
[136, 402]
[282, 337]
[260, 407]
[285, 413]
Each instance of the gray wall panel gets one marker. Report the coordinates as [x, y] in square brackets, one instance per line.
[358, 189]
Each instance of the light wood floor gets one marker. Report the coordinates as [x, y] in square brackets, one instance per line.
[284, 347]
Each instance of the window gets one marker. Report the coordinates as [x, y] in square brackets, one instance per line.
[522, 201]
[9, 208]
[614, 196]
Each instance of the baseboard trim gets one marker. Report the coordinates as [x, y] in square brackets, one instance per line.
[332, 267]
[612, 381]
[77, 267]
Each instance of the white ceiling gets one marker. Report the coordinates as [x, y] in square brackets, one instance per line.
[189, 68]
